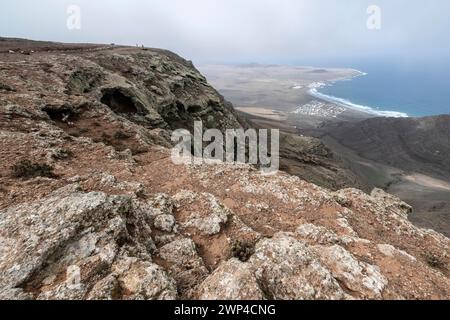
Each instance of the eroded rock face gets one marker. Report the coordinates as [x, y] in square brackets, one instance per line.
[118, 220]
[61, 246]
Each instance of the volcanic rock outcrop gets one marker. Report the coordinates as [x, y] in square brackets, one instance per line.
[92, 207]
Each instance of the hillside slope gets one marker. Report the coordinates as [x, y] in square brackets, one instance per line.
[415, 144]
[92, 206]
[405, 156]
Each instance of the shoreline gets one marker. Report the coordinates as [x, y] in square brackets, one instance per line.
[314, 92]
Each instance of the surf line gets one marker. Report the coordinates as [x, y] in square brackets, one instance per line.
[314, 91]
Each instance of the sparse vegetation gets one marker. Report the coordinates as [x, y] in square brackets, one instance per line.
[105, 137]
[28, 169]
[343, 201]
[120, 135]
[46, 67]
[6, 87]
[434, 261]
[242, 249]
[62, 154]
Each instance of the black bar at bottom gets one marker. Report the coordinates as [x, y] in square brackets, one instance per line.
[142, 310]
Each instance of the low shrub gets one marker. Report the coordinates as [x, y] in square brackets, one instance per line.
[242, 250]
[28, 169]
[62, 154]
[434, 261]
[120, 135]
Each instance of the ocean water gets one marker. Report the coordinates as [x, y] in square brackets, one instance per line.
[394, 88]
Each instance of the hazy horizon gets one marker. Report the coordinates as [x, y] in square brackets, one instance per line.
[317, 32]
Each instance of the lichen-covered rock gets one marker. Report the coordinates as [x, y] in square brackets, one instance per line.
[185, 264]
[287, 269]
[143, 280]
[45, 226]
[210, 220]
[107, 288]
[392, 252]
[165, 222]
[315, 234]
[392, 201]
[133, 279]
[357, 276]
[232, 280]
[76, 234]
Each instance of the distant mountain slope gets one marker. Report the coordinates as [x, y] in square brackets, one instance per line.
[408, 157]
[414, 144]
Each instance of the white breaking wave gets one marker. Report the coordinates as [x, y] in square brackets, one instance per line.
[346, 103]
[360, 73]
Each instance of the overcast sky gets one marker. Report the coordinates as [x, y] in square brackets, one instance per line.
[275, 31]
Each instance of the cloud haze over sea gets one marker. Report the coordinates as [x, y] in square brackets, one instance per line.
[277, 31]
[323, 33]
